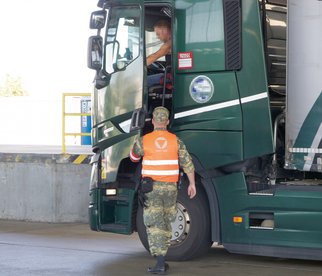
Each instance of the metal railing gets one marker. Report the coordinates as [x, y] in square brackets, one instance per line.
[66, 114]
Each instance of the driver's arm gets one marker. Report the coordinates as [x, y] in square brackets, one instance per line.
[164, 50]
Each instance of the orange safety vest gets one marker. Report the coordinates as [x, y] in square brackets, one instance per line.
[160, 160]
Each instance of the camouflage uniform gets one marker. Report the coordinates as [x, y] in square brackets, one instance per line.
[161, 203]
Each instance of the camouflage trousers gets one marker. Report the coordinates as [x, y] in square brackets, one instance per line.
[161, 210]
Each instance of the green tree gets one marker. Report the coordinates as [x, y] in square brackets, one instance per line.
[12, 87]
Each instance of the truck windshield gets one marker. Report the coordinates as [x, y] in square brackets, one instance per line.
[122, 37]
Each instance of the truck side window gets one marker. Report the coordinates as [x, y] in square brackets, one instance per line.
[202, 32]
[122, 38]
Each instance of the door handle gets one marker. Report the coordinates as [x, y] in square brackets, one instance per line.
[137, 120]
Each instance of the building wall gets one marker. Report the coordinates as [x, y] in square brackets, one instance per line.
[43, 189]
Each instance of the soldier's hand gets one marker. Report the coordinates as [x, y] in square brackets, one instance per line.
[192, 191]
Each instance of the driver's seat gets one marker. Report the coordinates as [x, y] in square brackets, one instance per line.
[160, 94]
[163, 89]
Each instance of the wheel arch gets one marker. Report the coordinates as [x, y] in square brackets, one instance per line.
[210, 190]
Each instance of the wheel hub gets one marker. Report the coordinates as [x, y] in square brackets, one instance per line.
[181, 225]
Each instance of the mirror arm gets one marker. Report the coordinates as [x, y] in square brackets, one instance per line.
[101, 80]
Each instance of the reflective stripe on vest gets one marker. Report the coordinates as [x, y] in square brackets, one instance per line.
[160, 161]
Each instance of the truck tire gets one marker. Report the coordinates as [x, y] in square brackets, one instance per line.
[191, 236]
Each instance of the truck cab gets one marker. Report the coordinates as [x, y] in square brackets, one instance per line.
[225, 85]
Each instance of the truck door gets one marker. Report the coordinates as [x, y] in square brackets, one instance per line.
[117, 95]
[122, 73]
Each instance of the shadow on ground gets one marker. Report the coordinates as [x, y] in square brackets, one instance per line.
[217, 262]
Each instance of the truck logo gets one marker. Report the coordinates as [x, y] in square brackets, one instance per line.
[201, 89]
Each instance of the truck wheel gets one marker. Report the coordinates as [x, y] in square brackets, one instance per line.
[191, 229]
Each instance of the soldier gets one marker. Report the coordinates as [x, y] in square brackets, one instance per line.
[162, 154]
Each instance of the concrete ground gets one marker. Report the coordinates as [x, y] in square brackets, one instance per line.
[29, 248]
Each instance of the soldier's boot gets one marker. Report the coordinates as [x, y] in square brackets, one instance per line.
[161, 266]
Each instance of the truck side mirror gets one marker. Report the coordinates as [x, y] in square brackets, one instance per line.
[97, 20]
[95, 52]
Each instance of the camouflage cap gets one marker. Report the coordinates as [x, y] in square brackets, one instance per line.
[160, 114]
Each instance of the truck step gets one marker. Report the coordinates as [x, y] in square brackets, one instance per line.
[120, 198]
[261, 221]
[267, 192]
[115, 227]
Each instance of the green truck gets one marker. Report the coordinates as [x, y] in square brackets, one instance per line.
[244, 90]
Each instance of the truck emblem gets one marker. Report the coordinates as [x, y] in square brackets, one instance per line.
[201, 89]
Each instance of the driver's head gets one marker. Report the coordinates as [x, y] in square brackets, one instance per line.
[163, 30]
